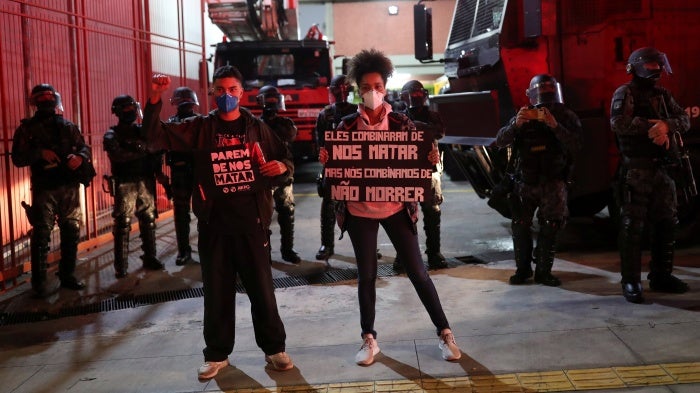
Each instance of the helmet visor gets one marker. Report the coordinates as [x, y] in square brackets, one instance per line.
[275, 101]
[545, 92]
[132, 106]
[651, 66]
[340, 93]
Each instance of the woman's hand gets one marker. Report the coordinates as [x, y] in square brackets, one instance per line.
[323, 156]
[434, 155]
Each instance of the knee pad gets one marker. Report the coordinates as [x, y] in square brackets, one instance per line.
[287, 210]
[70, 230]
[632, 225]
[521, 224]
[122, 224]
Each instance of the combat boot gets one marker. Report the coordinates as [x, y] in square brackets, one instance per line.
[661, 265]
[39, 266]
[121, 252]
[522, 249]
[184, 257]
[327, 231]
[431, 225]
[148, 245]
[285, 218]
[546, 247]
[629, 243]
[182, 235]
[70, 235]
[398, 265]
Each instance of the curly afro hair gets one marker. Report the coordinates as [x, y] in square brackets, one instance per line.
[367, 61]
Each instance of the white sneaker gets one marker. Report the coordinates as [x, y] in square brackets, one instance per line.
[369, 348]
[448, 346]
[209, 370]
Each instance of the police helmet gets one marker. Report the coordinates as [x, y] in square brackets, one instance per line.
[125, 103]
[643, 63]
[544, 89]
[269, 97]
[414, 94]
[339, 89]
[43, 93]
[184, 96]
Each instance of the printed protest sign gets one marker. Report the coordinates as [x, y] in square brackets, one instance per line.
[228, 171]
[378, 165]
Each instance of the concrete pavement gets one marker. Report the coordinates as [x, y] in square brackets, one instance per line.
[581, 336]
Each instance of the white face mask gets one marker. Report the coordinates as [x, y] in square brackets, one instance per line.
[373, 99]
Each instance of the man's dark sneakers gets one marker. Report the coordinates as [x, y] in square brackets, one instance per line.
[520, 276]
[632, 291]
[71, 282]
[668, 283]
[324, 253]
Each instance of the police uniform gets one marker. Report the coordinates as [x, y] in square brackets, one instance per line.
[328, 119]
[283, 195]
[543, 166]
[55, 191]
[182, 183]
[430, 121]
[133, 173]
[646, 193]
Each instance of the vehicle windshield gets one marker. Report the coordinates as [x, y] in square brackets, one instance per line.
[477, 17]
[299, 67]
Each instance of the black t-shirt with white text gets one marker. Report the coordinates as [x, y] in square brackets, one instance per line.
[239, 213]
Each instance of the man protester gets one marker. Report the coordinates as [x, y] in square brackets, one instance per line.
[59, 161]
[233, 227]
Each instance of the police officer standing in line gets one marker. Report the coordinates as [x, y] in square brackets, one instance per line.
[133, 180]
[644, 118]
[328, 119]
[415, 97]
[271, 102]
[58, 158]
[181, 172]
[544, 137]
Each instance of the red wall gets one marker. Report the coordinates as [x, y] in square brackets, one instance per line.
[90, 51]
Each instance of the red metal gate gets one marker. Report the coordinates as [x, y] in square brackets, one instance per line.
[90, 51]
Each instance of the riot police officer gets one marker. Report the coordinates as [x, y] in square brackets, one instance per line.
[644, 118]
[133, 176]
[544, 137]
[181, 172]
[329, 118]
[271, 102]
[415, 97]
[58, 158]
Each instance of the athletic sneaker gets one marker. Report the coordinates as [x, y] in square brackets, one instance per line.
[369, 348]
[209, 370]
[280, 361]
[448, 346]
